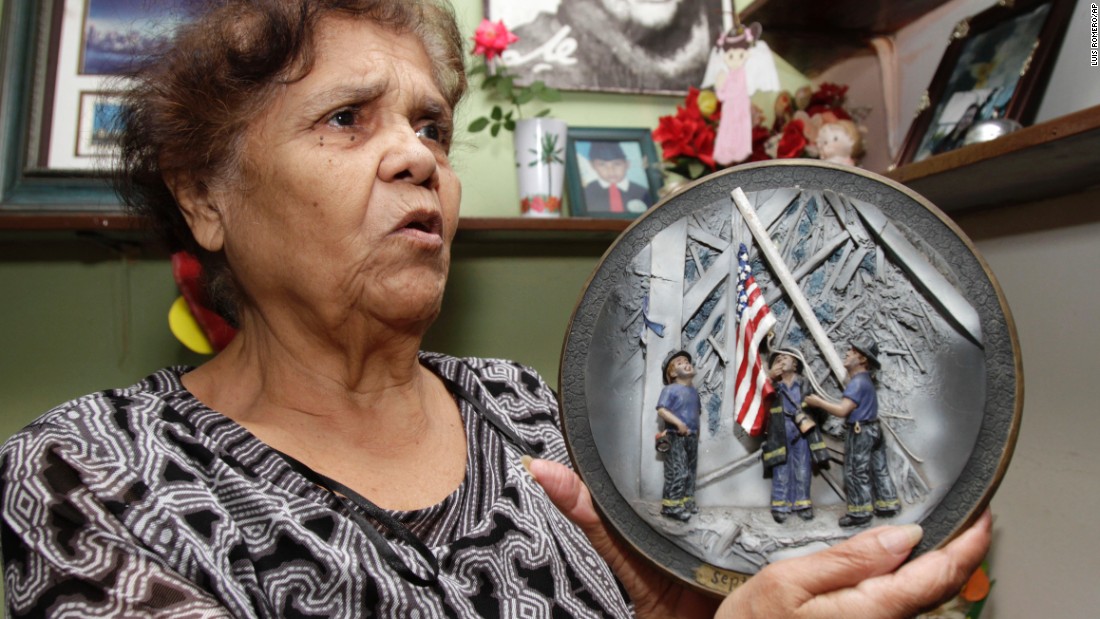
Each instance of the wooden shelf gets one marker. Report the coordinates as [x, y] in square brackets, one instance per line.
[1055, 158]
[813, 36]
[69, 221]
[469, 228]
[1047, 160]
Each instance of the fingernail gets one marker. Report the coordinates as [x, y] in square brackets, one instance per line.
[901, 539]
[526, 460]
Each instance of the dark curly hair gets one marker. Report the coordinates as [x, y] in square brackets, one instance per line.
[190, 103]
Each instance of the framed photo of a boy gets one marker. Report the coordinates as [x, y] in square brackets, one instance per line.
[611, 172]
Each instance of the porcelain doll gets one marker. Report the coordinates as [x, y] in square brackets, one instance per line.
[839, 142]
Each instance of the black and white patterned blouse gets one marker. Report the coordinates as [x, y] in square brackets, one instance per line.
[144, 502]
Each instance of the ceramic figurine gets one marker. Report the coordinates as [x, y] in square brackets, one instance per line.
[794, 443]
[679, 408]
[867, 481]
[839, 142]
[733, 142]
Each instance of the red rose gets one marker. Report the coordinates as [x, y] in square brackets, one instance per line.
[490, 39]
[792, 143]
[829, 97]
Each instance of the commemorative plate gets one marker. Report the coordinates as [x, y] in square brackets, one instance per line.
[838, 257]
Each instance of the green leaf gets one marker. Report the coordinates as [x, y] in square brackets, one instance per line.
[490, 82]
[542, 113]
[509, 124]
[695, 169]
[479, 124]
[504, 88]
[497, 113]
[478, 69]
[524, 96]
[495, 130]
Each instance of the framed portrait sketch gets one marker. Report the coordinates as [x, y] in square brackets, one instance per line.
[657, 46]
[708, 359]
[996, 66]
[611, 172]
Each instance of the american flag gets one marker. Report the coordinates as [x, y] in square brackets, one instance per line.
[754, 321]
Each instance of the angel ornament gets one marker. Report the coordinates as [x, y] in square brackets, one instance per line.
[749, 67]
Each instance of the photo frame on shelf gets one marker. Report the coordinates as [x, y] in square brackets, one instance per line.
[996, 66]
[611, 172]
[656, 48]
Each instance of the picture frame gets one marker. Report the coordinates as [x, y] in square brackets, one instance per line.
[867, 260]
[582, 45]
[58, 84]
[93, 43]
[598, 156]
[996, 66]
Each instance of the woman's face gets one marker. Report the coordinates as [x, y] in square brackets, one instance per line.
[347, 204]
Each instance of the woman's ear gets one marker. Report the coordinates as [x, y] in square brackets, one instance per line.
[199, 208]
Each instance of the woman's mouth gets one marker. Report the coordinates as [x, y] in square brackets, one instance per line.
[424, 226]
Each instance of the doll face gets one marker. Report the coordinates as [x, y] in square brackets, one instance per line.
[735, 57]
[834, 141]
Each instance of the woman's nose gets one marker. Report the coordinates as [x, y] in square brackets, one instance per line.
[408, 159]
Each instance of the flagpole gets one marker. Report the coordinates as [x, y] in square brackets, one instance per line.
[790, 285]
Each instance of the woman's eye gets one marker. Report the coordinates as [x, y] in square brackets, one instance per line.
[343, 118]
[430, 131]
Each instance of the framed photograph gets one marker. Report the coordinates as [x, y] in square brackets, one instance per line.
[100, 123]
[996, 66]
[660, 46]
[94, 42]
[795, 266]
[611, 172]
[62, 64]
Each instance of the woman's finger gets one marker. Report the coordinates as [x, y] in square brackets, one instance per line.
[848, 579]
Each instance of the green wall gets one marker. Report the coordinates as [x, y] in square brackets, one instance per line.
[79, 317]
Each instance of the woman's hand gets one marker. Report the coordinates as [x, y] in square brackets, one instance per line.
[856, 578]
[861, 578]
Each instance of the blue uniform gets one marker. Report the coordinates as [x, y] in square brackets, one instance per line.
[683, 454]
[866, 477]
[791, 478]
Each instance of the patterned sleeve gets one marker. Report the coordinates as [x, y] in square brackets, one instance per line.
[65, 551]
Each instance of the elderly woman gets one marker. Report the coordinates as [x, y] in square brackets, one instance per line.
[321, 465]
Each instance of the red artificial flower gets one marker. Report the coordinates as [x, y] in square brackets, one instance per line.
[688, 133]
[490, 40]
[829, 97]
[793, 142]
[760, 137]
